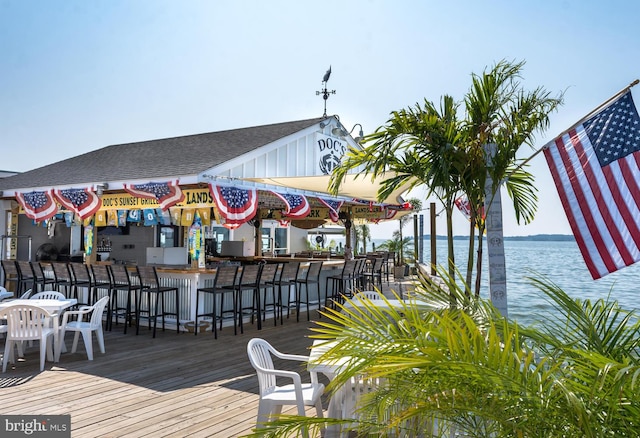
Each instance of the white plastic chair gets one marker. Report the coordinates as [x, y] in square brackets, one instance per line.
[27, 323]
[273, 397]
[4, 294]
[368, 294]
[94, 324]
[48, 295]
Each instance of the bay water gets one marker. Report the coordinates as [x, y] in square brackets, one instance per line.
[559, 262]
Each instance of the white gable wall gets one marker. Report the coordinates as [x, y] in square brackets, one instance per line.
[311, 152]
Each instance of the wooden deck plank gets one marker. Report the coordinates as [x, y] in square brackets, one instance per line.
[175, 385]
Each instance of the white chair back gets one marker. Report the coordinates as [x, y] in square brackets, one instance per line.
[26, 322]
[368, 294]
[48, 295]
[98, 310]
[260, 357]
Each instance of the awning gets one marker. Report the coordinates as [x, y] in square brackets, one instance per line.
[357, 186]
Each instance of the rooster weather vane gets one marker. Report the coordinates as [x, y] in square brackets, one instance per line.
[325, 93]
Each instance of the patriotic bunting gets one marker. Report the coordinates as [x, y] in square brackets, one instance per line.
[166, 193]
[334, 207]
[297, 206]
[38, 206]
[235, 205]
[83, 202]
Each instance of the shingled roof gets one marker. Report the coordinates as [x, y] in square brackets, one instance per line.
[169, 157]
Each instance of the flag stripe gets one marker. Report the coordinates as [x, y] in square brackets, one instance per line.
[572, 198]
[602, 201]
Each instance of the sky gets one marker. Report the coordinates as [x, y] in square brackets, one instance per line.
[81, 75]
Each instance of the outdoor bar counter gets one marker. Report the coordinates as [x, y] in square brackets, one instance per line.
[188, 280]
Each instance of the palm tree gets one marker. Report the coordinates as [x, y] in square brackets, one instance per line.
[469, 368]
[421, 145]
[365, 235]
[499, 111]
[399, 245]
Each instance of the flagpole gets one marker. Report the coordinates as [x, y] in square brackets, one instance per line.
[598, 108]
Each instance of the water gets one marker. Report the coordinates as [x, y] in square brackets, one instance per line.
[558, 261]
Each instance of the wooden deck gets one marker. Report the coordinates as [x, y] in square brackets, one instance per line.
[175, 385]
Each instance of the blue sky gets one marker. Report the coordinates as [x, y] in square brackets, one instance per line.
[80, 75]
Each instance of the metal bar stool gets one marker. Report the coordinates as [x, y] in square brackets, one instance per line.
[249, 280]
[41, 279]
[267, 282]
[287, 278]
[310, 276]
[121, 281]
[151, 287]
[223, 283]
[26, 280]
[62, 276]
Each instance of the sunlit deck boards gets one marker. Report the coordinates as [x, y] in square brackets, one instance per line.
[175, 385]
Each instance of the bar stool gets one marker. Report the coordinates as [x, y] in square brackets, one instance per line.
[121, 282]
[267, 282]
[26, 280]
[249, 280]
[223, 283]
[40, 277]
[81, 278]
[341, 283]
[374, 273]
[62, 276]
[102, 280]
[287, 278]
[9, 274]
[310, 276]
[151, 286]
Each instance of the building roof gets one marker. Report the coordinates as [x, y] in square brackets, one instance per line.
[153, 159]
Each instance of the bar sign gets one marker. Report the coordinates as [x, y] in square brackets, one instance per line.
[35, 426]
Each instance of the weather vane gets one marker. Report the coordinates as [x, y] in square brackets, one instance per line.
[325, 93]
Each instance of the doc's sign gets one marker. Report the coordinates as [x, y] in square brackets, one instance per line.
[330, 150]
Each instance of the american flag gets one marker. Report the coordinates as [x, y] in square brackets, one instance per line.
[297, 206]
[83, 202]
[596, 169]
[334, 207]
[167, 194]
[38, 206]
[235, 205]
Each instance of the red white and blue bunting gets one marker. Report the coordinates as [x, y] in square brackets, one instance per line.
[38, 206]
[334, 207]
[297, 206]
[83, 202]
[167, 194]
[236, 205]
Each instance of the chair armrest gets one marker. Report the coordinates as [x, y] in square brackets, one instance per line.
[79, 313]
[287, 356]
[297, 381]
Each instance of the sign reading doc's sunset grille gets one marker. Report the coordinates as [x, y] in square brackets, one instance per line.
[194, 198]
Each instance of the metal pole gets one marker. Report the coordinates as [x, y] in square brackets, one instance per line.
[415, 240]
[432, 235]
[421, 243]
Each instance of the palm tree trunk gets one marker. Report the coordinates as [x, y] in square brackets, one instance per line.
[472, 238]
[479, 261]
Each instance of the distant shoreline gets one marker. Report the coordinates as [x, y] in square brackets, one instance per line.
[535, 237]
